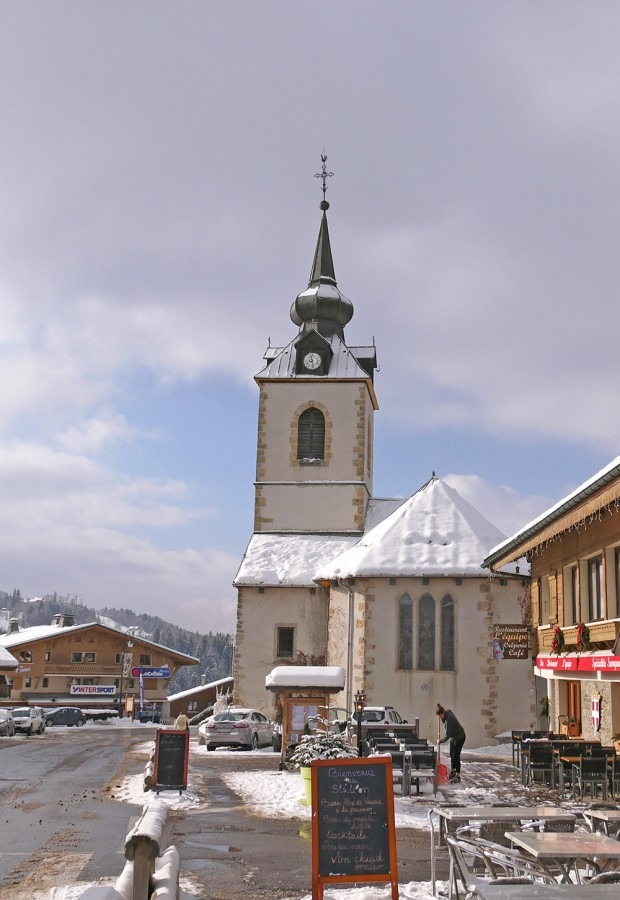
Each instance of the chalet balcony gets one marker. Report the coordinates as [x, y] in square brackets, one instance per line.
[602, 636]
[78, 670]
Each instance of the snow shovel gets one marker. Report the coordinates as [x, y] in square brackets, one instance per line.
[442, 771]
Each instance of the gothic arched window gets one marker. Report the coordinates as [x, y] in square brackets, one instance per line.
[311, 434]
[447, 633]
[405, 632]
[426, 632]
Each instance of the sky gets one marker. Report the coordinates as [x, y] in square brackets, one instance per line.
[159, 216]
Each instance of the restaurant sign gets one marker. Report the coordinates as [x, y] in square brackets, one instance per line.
[511, 641]
[579, 663]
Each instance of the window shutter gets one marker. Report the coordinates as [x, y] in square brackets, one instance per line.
[311, 435]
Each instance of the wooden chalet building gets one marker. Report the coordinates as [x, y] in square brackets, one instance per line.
[574, 553]
[91, 665]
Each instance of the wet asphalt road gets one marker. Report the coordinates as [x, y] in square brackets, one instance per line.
[59, 821]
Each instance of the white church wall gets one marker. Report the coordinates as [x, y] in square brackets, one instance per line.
[259, 615]
[487, 696]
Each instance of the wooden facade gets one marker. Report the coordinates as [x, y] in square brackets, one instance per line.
[574, 555]
[87, 665]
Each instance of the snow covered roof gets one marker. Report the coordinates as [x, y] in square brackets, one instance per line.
[200, 687]
[602, 478]
[434, 532]
[289, 559]
[41, 632]
[332, 678]
[7, 661]
[379, 508]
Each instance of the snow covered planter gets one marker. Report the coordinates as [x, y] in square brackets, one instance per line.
[319, 745]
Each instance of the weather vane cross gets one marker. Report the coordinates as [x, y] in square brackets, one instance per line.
[324, 174]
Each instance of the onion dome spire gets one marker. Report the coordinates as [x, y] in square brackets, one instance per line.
[322, 307]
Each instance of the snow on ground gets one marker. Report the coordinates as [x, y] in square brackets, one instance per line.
[278, 795]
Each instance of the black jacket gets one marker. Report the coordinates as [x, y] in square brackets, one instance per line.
[454, 729]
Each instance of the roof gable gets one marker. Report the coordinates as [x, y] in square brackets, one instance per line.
[434, 532]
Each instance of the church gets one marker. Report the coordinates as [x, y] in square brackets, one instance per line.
[392, 590]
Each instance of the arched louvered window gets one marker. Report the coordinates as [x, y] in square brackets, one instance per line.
[311, 434]
[405, 632]
[426, 633]
[447, 633]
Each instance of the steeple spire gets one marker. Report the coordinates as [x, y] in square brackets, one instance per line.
[322, 307]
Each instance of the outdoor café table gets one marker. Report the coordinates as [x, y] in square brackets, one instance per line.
[565, 848]
[539, 891]
[468, 815]
[605, 817]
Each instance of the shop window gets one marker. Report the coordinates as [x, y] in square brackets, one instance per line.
[595, 588]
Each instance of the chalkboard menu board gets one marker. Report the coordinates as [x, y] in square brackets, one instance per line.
[353, 833]
[171, 756]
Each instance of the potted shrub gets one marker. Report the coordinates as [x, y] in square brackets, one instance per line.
[570, 727]
[319, 745]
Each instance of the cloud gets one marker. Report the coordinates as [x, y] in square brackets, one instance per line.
[500, 504]
[160, 214]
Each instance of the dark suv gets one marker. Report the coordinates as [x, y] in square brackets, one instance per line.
[65, 715]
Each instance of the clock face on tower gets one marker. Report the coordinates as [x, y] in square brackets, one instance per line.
[312, 360]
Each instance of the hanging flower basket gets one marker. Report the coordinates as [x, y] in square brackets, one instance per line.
[583, 637]
[558, 644]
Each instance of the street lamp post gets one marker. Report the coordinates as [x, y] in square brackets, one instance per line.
[360, 703]
[126, 659]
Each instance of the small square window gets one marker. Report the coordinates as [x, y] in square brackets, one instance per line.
[285, 642]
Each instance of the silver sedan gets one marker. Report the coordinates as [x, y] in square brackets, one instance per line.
[237, 727]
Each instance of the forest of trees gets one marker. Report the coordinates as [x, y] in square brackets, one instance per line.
[215, 651]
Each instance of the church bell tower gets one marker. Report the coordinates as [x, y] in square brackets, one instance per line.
[316, 411]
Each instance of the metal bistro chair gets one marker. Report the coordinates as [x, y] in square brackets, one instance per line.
[469, 867]
[613, 771]
[539, 759]
[591, 772]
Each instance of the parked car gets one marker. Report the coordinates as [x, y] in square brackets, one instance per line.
[237, 727]
[65, 715]
[42, 714]
[200, 717]
[379, 715]
[28, 719]
[7, 725]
